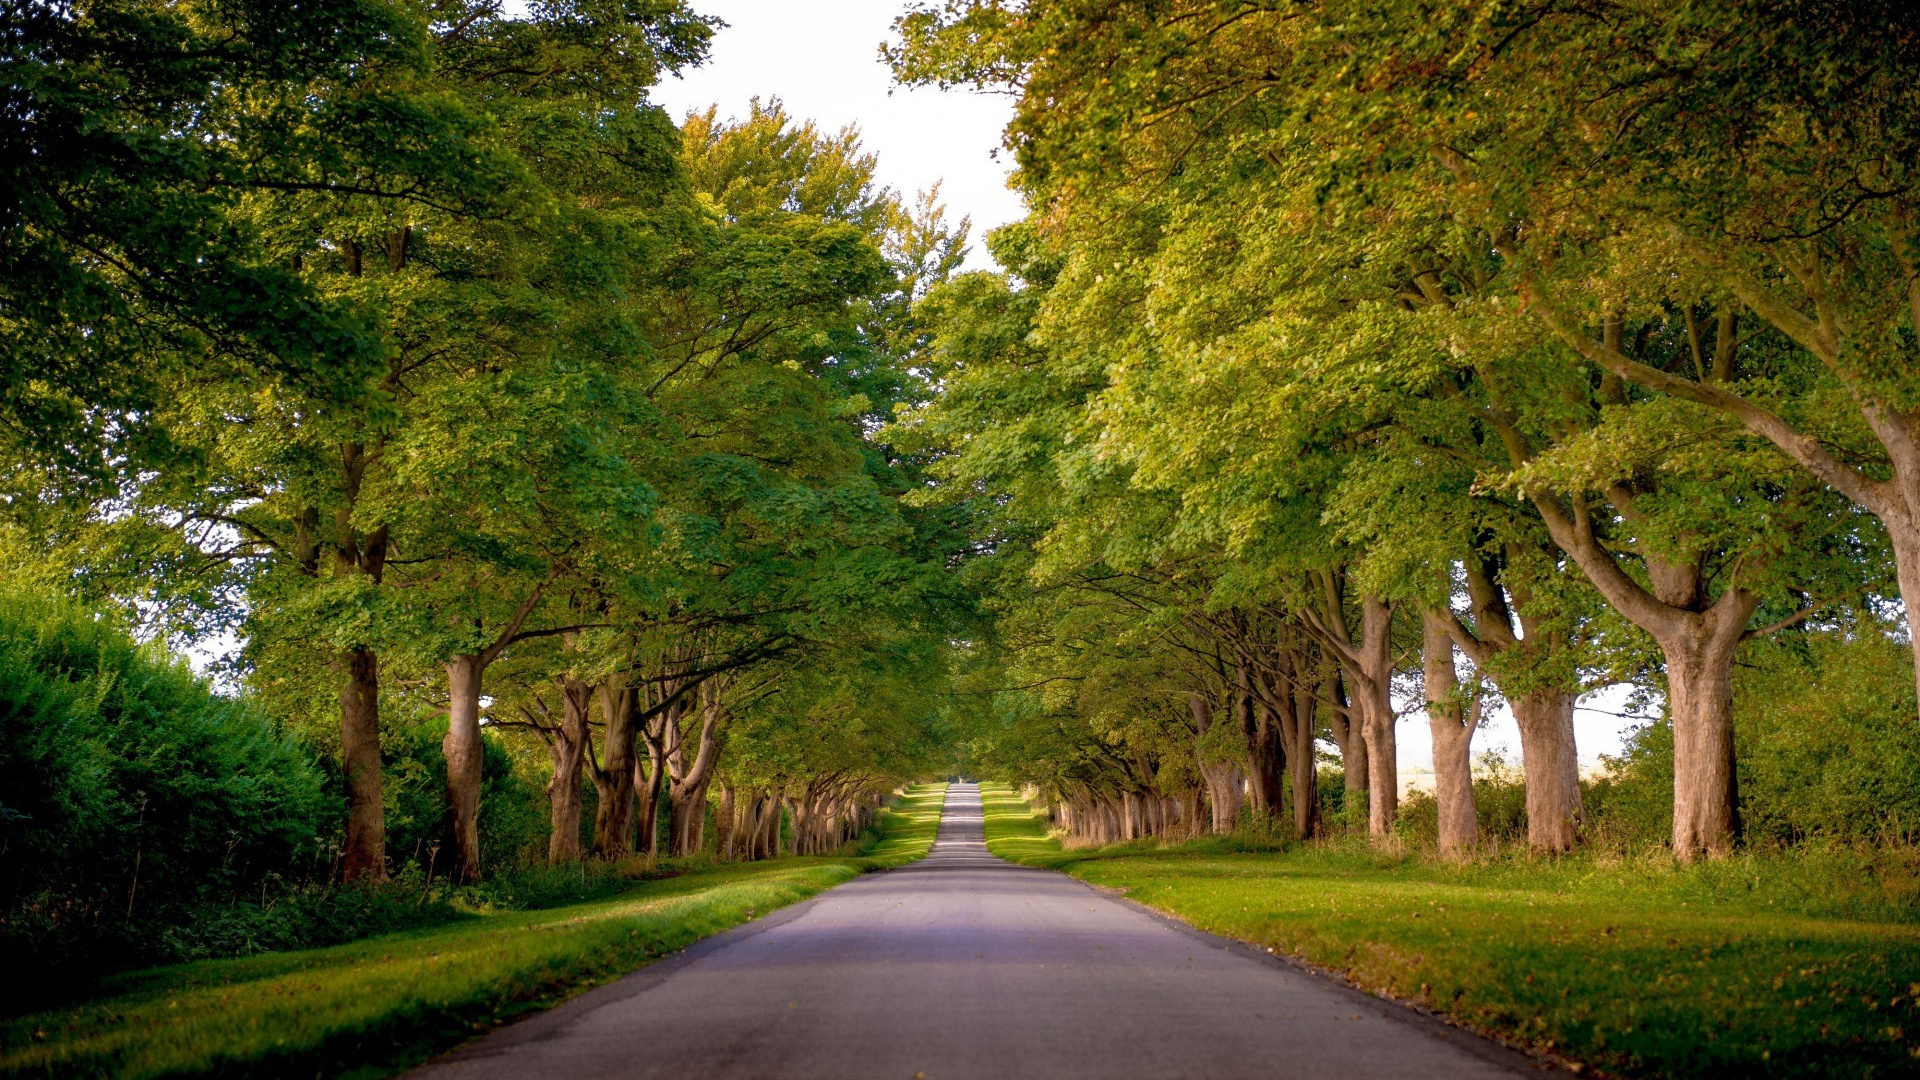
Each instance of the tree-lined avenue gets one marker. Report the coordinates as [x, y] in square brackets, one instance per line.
[962, 965]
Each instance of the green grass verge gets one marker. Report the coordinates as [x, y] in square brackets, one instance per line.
[1636, 966]
[375, 1006]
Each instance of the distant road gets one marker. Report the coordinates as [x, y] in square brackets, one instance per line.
[962, 966]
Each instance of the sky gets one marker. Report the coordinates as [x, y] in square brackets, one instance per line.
[822, 58]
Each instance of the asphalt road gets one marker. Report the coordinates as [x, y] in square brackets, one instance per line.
[963, 966]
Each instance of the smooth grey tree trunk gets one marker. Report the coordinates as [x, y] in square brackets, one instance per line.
[464, 756]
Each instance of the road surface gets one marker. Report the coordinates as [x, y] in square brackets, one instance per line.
[963, 966]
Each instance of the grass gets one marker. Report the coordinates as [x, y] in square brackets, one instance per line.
[375, 1006]
[1632, 965]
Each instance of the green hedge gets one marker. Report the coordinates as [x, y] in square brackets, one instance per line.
[131, 794]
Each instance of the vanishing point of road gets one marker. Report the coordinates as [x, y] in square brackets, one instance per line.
[964, 967]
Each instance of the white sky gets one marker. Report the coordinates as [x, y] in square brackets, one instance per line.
[822, 58]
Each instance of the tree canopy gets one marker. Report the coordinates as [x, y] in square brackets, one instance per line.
[483, 404]
[1356, 354]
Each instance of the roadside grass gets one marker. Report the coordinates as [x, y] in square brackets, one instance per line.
[1633, 965]
[1015, 832]
[375, 1006]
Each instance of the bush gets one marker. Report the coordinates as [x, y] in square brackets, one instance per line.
[1630, 804]
[1826, 739]
[146, 819]
[1499, 803]
[131, 795]
[1500, 798]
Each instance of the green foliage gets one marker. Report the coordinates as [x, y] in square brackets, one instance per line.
[134, 794]
[1825, 730]
[1552, 324]
[512, 801]
[608, 416]
[139, 132]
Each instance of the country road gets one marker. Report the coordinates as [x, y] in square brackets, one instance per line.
[964, 966]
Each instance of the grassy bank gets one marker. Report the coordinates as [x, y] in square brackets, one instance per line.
[374, 1006]
[1748, 967]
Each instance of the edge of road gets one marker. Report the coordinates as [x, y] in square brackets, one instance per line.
[1488, 1047]
[547, 1023]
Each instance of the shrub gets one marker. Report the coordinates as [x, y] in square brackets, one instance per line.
[1630, 804]
[513, 802]
[1826, 739]
[133, 794]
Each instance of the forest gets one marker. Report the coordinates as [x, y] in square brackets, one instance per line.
[439, 481]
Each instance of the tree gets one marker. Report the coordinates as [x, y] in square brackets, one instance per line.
[325, 515]
[136, 138]
[1350, 201]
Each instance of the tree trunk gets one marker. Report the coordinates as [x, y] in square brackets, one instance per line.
[463, 750]
[1452, 723]
[1555, 811]
[613, 780]
[689, 803]
[1904, 532]
[1383, 772]
[569, 749]
[1697, 640]
[1289, 705]
[768, 841]
[1700, 701]
[688, 792]
[1304, 778]
[1223, 796]
[1303, 772]
[1350, 735]
[1895, 500]
[1266, 750]
[800, 810]
[1543, 713]
[1222, 778]
[365, 854]
[723, 823]
[464, 756]
[650, 787]
[1375, 671]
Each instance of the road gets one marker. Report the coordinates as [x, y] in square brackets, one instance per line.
[963, 966]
